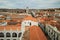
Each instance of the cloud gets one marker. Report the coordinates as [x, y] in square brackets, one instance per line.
[30, 3]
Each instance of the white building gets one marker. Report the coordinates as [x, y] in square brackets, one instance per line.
[28, 21]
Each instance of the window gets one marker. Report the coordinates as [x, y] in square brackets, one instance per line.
[8, 39]
[8, 34]
[19, 35]
[30, 23]
[1, 34]
[14, 39]
[1, 39]
[49, 30]
[14, 34]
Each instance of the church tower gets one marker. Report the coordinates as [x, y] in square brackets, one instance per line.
[27, 10]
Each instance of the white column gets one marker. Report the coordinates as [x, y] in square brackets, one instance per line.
[4, 34]
[17, 33]
[22, 30]
[11, 33]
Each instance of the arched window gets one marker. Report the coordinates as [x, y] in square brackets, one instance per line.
[30, 23]
[14, 34]
[14, 39]
[8, 39]
[1, 34]
[8, 34]
[19, 35]
[1, 39]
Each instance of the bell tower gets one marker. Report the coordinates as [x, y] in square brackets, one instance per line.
[27, 10]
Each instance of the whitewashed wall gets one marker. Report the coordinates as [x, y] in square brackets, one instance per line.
[27, 23]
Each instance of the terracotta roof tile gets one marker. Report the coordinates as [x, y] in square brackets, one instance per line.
[36, 33]
[30, 18]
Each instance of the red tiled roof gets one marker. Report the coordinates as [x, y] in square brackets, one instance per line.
[36, 33]
[10, 27]
[30, 18]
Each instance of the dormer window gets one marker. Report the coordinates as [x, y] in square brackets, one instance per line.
[3, 23]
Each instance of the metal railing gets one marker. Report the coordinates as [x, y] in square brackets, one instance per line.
[52, 32]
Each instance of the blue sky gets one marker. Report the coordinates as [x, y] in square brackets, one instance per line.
[36, 4]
